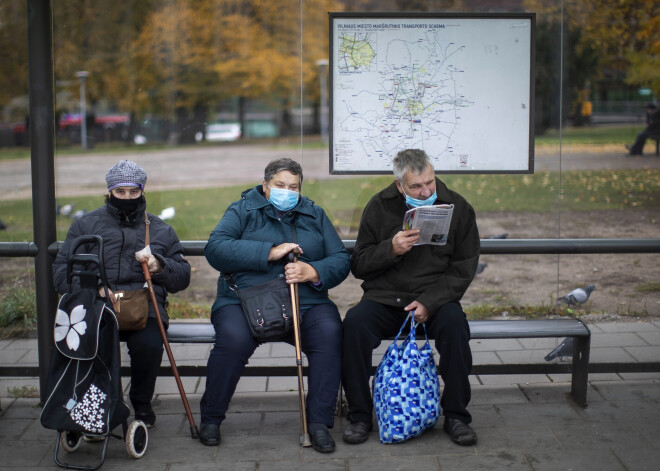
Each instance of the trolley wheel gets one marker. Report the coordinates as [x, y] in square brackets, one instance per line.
[70, 441]
[137, 439]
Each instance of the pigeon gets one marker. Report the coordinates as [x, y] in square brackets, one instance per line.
[563, 350]
[65, 210]
[499, 236]
[167, 213]
[78, 214]
[577, 297]
[480, 268]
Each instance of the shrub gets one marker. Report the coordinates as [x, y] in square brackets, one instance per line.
[18, 308]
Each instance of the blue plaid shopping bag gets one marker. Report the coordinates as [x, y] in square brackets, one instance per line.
[406, 389]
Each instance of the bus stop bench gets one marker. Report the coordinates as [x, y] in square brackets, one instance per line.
[203, 332]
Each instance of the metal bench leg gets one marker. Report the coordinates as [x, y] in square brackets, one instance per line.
[580, 370]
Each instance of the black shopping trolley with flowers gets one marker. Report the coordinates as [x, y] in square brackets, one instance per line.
[85, 401]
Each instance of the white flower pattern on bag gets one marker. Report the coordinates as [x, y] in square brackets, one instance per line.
[90, 413]
[70, 327]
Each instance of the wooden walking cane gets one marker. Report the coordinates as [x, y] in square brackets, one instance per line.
[293, 289]
[147, 276]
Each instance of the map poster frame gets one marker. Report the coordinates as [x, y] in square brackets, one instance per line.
[458, 85]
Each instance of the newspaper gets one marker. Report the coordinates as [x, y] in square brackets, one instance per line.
[432, 221]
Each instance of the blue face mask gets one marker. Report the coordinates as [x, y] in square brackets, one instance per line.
[415, 203]
[282, 199]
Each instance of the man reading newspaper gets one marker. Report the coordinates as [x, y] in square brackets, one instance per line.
[400, 276]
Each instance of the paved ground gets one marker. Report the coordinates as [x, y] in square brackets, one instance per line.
[203, 167]
[524, 422]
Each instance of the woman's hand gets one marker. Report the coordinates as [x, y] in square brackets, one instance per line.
[282, 250]
[110, 293]
[300, 272]
[152, 263]
[113, 300]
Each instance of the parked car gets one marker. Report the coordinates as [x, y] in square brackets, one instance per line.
[222, 132]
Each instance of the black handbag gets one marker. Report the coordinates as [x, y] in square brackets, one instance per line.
[266, 306]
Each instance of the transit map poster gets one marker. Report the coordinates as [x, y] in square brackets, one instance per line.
[458, 86]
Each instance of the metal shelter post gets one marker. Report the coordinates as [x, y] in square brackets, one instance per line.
[42, 142]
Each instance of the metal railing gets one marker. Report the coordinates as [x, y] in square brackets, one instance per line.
[488, 247]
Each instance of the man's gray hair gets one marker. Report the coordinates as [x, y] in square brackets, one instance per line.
[284, 163]
[409, 160]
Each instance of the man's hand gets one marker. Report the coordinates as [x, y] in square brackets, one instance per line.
[300, 272]
[403, 241]
[421, 313]
[281, 250]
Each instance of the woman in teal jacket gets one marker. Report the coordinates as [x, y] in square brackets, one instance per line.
[251, 242]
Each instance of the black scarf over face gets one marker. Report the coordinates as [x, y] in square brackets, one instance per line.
[127, 210]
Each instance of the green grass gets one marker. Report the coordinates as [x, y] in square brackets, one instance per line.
[591, 135]
[199, 210]
[486, 311]
[652, 287]
[181, 308]
[23, 392]
[18, 312]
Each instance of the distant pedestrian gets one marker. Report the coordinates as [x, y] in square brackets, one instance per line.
[652, 128]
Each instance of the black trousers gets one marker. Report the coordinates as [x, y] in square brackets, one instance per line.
[638, 147]
[145, 347]
[369, 322]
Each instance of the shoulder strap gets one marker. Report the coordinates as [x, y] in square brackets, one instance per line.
[146, 229]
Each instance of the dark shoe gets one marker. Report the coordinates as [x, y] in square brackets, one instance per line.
[209, 434]
[322, 440]
[357, 432]
[145, 413]
[460, 432]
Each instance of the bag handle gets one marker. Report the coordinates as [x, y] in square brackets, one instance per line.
[413, 326]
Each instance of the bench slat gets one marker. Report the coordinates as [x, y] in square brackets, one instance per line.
[202, 332]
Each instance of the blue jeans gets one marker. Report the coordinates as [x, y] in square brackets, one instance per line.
[234, 345]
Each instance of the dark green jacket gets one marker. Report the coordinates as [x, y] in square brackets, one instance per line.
[431, 274]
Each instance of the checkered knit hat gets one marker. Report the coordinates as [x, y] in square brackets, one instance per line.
[126, 173]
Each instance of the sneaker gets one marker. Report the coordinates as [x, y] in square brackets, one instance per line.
[145, 413]
[460, 432]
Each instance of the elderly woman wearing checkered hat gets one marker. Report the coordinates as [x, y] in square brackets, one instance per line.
[122, 222]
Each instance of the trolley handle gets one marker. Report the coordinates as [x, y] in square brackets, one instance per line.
[95, 259]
